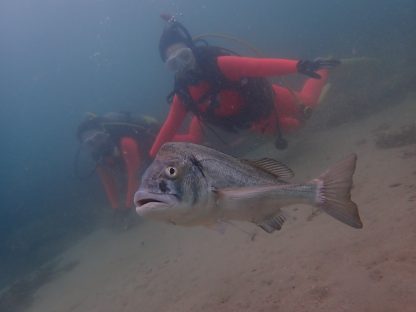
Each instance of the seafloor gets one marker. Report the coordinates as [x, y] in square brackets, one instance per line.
[314, 263]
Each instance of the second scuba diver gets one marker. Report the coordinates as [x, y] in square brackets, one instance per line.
[118, 143]
[232, 92]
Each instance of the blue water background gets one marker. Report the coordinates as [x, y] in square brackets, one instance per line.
[62, 58]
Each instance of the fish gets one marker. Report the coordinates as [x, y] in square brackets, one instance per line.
[194, 185]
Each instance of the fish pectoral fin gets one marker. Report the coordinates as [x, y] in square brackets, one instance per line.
[272, 166]
[272, 224]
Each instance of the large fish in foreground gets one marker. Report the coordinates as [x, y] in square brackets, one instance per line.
[189, 184]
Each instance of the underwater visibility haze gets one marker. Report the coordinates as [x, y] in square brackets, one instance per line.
[64, 60]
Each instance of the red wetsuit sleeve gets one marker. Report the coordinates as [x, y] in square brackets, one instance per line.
[131, 156]
[172, 124]
[237, 67]
[194, 135]
[109, 185]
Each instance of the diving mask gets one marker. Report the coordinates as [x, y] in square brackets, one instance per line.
[180, 60]
[97, 142]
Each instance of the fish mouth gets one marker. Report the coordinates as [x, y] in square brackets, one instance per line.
[152, 204]
[144, 201]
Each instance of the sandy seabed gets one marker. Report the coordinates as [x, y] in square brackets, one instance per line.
[315, 263]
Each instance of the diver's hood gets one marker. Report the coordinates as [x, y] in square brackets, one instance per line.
[88, 124]
[173, 33]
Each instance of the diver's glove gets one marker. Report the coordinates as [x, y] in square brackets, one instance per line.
[309, 68]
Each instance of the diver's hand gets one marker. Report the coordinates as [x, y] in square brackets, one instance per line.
[309, 68]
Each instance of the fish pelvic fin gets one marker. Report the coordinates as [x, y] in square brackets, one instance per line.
[334, 192]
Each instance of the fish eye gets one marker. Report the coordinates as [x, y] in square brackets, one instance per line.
[171, 172]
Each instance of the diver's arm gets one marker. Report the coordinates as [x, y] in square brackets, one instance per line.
[172, 124]
[194, 135]
[237, 67]
[131, 156]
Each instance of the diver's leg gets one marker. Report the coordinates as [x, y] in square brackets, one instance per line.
[287, 110]
[311, 91]
[131, 156]
[109, 185]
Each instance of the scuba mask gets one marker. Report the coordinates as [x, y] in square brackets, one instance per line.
[98, 142]
[180, 59]
[173, 33]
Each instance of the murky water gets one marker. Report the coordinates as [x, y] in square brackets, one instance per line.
[62, 59]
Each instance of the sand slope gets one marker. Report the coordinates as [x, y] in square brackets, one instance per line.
[314, 264]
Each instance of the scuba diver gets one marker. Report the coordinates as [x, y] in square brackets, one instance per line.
[229, 91]
[117, 143]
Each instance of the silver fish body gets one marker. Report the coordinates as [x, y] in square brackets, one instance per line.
[189, 184]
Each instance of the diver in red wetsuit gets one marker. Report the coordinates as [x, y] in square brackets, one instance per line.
[232, 92]
[118, 143]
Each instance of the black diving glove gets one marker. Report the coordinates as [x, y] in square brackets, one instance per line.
[309, 68]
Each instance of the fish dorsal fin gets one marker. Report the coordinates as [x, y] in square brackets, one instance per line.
[272, 166]
[272, 224]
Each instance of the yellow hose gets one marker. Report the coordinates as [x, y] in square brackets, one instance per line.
[241, 42]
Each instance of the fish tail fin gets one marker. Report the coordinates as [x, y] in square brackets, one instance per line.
[334, 192]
